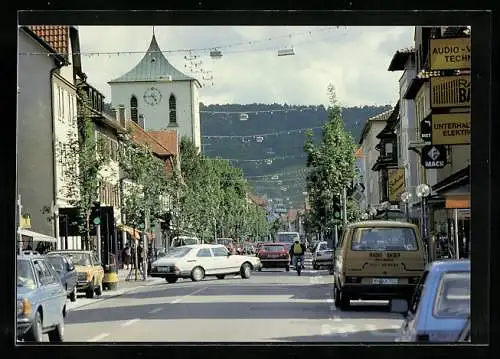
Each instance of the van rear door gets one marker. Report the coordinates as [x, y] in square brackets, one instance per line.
[386, 252]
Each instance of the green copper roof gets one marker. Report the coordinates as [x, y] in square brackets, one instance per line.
[153, 67]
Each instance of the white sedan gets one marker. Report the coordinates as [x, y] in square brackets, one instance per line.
[197, 261]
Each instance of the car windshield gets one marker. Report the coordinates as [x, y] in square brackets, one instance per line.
[178, 252]
[323, 247]
[453, 297]
[25, 276]
[56, 262]
[184, 241]
[287, 237]
[273, 248]
[384, 239]
[80, 259]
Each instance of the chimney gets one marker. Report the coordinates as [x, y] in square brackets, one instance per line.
[121, 115]
[141, 121]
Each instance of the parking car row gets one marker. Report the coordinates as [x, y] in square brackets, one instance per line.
[45, 282]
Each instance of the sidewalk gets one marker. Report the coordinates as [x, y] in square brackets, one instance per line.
[123, 288]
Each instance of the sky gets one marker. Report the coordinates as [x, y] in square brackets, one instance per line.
[353, 59]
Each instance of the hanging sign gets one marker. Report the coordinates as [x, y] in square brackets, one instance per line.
[450, 53]
[451, 129]
[396, 183]
[426, 129]
[450, 91]
[434, 156]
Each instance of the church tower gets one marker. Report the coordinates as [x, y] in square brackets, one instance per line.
[157, 96]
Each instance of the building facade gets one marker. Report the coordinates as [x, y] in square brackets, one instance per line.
[368, 143]
[440, 90]
[160, 96]
[47, 110]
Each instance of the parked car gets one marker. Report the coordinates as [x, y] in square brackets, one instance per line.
[441, 305]
[67, 273]
[41, 300]
[274, 255]
[201, 260]
[89, 269]
[322, 256]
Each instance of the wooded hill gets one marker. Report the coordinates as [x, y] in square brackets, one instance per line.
[266, 140]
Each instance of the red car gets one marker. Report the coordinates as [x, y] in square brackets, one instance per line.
[274, 255]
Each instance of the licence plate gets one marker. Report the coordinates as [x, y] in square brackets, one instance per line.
[385, 281]
[163, 269]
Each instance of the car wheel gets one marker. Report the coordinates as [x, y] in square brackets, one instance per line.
[336, 296]
[197, 274]
[57, 334]
[171, 280]
[220, 276]
[344, 301]
[245, 271]
[35, 334]
[90, 291]
[98, 290]
[73, 295]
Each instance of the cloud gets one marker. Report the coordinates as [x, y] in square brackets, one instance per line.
[354, 59]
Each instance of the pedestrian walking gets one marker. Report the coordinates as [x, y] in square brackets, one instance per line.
[126, 255]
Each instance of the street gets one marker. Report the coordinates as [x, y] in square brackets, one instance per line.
[272, 305]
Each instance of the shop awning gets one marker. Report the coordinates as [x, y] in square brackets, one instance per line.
[135, 233]
[38, 237]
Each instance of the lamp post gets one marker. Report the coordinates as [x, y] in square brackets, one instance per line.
[423, 191]
[406, 198]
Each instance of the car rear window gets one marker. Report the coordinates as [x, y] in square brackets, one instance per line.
[453, 296]
[384, 239]
[178, 252]
[274, 248]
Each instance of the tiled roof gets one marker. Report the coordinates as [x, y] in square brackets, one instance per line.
[56, 36]
[168, 139]
[153, 67]
[141, 137]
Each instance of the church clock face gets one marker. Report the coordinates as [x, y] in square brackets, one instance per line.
[152, 96]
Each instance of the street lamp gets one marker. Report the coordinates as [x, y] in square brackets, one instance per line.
[406, 198]
[423, 191]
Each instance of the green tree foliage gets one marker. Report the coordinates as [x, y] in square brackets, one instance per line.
[213, 200]
[83, 170]
[148, 188]
[332, 168]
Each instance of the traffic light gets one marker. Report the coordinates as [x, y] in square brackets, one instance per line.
[167, 222]
[337, 209]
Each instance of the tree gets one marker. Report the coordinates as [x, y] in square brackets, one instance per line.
[149, 187]
[84, 164]
[332, 164]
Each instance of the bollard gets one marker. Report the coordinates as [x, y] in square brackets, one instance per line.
[110, 280]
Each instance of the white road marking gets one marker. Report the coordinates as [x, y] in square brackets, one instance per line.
[130, 322]
[395, 326]
[329, 300]
[371, 327]
[188, 295]
[337, 319]
[155, 310]
[98, 337]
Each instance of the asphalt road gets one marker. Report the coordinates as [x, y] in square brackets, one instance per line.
[272, 305]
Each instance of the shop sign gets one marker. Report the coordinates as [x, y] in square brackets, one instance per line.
[450, 91]
[434, 156]
[426, 129]
[451, 129]
[450, 53]
[396, 183]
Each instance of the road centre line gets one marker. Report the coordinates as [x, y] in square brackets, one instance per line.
[98, 337]
[155, 310]
[188, 295]
[130, 322]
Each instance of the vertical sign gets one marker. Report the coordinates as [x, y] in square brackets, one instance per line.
[396, 183]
